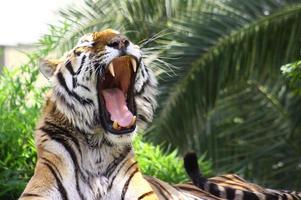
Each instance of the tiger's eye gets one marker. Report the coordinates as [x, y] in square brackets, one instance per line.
[76, 52]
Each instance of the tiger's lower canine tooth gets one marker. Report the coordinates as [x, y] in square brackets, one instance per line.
[111, 68]
[134, 64]
[115, 125]
[133, 121]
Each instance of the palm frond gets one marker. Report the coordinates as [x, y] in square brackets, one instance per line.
[248, 51]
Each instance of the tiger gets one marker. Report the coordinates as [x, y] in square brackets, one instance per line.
[100, 92]
[231, 186]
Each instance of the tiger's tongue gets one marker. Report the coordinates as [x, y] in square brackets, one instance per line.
[116, 106]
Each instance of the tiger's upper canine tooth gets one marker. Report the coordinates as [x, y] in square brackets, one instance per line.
[134, 64]
[111, 68]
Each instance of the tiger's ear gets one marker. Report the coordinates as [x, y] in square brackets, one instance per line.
[48, 67]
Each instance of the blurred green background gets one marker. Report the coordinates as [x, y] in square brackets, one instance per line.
[223, 92]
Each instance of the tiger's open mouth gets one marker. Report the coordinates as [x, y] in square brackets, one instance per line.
[116, 95]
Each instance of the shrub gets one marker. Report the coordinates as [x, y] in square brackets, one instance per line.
[17, 120]
[292, 72]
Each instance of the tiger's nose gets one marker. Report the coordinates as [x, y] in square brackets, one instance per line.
[119, 42]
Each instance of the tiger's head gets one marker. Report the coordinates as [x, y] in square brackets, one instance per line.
[102, 86]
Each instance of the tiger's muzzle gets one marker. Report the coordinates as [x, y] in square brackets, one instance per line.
[116, 90]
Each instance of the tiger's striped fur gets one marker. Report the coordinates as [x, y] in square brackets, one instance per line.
[232, 186]
[77, 158]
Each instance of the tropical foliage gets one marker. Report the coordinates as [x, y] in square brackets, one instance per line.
[292, 72]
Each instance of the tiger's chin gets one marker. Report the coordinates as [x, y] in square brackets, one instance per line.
[120, 139]
[101, 135]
